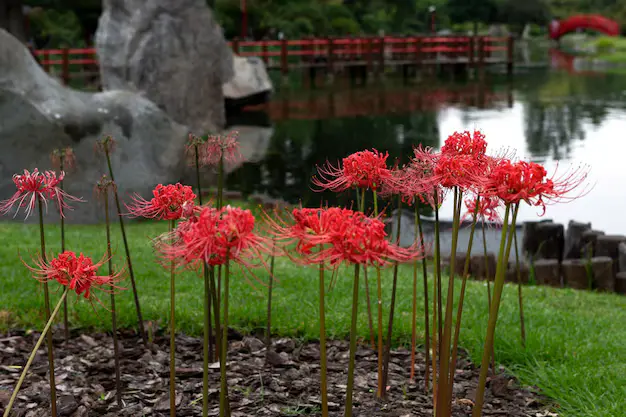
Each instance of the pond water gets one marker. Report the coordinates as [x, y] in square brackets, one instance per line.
[547, 114]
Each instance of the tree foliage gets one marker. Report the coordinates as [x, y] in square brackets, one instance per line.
[73, 22]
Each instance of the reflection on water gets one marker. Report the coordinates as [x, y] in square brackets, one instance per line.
[545, 115]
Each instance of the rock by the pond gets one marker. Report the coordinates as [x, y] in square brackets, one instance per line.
[407, 234]
[573, 239]
[620, 283]
[622, 257]
[250, 85]
[603, 273]
[548, 272]
[576, 274]
[530, 245]
[173, 52]
[39, 115]
[551, 240]
[588, 240]
[608, 245]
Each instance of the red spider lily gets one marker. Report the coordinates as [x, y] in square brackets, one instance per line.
[355, 238]
[32, 186]
[465, 143]
[308, 228]
[528, 181]
[106, 145]
[487, 208]
[170, 202]
[66, 155]
[78, 273]
[217, 147]
[215, 237]
[364, 169]
[463, 171]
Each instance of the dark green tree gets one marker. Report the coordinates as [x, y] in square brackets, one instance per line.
[475, 11]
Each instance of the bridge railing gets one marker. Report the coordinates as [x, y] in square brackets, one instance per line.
[285, 54]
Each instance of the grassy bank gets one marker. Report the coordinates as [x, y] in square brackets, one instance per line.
[576, 350]
[609, 49]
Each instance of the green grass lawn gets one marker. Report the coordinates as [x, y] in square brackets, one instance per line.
[576, 347]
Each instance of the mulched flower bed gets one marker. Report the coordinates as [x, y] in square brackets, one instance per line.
[284, 382]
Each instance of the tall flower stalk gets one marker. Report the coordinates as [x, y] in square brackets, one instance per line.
[169, 202]
[520, 297]
[63, 159]
[75, 273]
[216, 237]
[364, 170]
[107, 145]
[360, 198]
[268, 330]
[513, 183]
[194, 149]
[103, 187]
[35, 189]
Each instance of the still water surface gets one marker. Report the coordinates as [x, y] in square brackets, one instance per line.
[545, 114]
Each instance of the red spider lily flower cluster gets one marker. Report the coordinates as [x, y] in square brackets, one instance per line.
[64, 156]
[514, 182]
[78, 273]
[364, 169]
[343, 236]
[487, 209]
[170, 202]
[221, 147]
[461, 162]
[415, 179]
[214, 237]
[35, 185]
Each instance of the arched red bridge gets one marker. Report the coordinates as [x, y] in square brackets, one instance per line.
[583, 21]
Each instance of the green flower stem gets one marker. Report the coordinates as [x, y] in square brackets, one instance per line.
[370, 320]
[129, 262]
[197, 163]
[268, 331]
[418, 222]
[172, 335]
[443, 402]
[495, 305]
[46, 294]
[355, 305]
[488, 278]
[323, 360]
[437, 259]
[414, 311]
[459, 312]
[224, 412]
[33, 353]
[394, 287]
[216, 314]
[379, 293]
[116, 353]
[220, 182]
[519, 290]
[66, 327]
[207, 345]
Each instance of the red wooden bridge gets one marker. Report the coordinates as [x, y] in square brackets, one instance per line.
[583, 21]
[332, 54]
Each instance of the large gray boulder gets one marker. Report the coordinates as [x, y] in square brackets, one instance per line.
[38, 114]
[172, 51]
